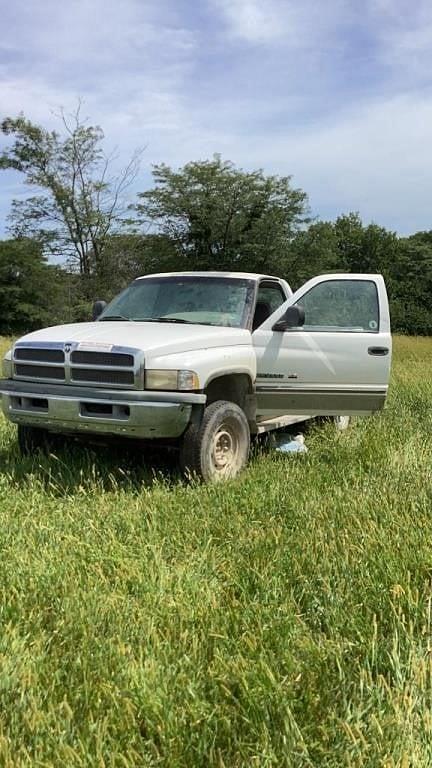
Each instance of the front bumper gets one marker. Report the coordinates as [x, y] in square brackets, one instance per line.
[81, 410]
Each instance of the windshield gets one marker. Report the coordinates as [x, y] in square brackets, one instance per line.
[200, 300]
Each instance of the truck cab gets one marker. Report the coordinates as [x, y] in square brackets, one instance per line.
[204, 360]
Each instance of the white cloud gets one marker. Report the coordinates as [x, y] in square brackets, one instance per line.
[96, 31]
[403, 31]
[375, 159]
[290, 22]
[251, 19]
[268, 84]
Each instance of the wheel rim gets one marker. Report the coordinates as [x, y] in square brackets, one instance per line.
[225, 449]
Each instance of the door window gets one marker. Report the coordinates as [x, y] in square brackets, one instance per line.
[270, 297]
[341, 305]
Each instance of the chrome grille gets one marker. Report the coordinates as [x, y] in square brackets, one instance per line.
[40, 355]
[40, 372]
[57, 362]
[98, 376]
[102, 358]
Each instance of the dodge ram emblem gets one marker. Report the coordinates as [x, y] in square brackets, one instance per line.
[67, 347]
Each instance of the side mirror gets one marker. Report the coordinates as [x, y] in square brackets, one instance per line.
[294, 317]
[98, 308]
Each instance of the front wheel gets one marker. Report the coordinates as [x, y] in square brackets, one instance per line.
[218, 448]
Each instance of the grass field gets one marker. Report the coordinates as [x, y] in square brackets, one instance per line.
[281, 620]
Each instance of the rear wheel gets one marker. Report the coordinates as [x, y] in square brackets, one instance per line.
[33, 439]
[341, 422]
[218, 448]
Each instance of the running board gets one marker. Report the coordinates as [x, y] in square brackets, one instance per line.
[278, 422]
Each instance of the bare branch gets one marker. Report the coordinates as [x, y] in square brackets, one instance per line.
[86, 203]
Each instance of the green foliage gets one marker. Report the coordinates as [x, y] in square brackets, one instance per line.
[411, 288]
[346, 245]
[127, 256]
[283, 619]
[80, 202]
[313, 251]
[32, 293]
[219, 217]
[206, 215]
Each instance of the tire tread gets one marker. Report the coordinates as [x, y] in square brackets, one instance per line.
[192, 444]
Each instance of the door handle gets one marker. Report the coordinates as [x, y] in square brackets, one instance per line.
[378, 351]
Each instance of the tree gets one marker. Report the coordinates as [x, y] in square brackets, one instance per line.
[32, 292]
[219, 217]
[312, 252]
[411, 288]
[346, 245]
[127, 256]
[81, 203]
[365, 249]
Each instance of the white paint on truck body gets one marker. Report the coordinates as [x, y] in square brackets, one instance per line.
[326, 368]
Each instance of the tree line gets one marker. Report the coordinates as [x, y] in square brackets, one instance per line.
[80, 238]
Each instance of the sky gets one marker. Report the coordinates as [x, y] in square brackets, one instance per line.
[336, 93]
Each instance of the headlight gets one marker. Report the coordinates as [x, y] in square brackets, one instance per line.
[7, 365]
[171, 380]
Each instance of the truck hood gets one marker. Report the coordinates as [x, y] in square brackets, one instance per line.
[156, 338]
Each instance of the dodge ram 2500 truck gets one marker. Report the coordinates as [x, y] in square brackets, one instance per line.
[202, 360]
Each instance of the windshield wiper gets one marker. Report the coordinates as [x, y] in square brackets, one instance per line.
[173, 320]
[115, 317]
[163, 320]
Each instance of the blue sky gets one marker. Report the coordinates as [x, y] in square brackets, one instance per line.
[336, 93]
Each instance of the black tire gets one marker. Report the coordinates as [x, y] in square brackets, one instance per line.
[33, 439]
[218, 448]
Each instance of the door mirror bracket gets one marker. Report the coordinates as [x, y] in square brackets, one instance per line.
[294, 317]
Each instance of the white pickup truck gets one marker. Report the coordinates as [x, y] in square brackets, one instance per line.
[202, 360]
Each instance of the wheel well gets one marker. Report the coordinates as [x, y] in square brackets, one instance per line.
[235, 387]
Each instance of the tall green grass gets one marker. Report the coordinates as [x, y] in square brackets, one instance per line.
[283, 619]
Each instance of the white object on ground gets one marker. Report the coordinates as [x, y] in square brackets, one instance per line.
[292, 445]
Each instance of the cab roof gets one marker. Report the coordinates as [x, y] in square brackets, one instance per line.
[240, 275]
